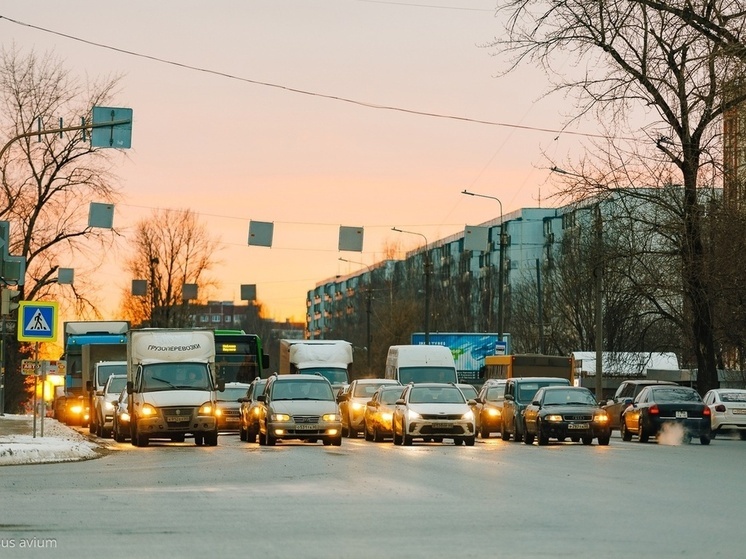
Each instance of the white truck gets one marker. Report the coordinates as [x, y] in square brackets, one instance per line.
[420, 363]
[172, 385]
[329, 358]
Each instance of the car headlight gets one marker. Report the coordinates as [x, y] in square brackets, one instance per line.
[76, 409]
[207, 409]
[108, 406]
[357, 406]
[330, 417]
[493, 412]
[554, 417]
[387, 417]
[601, 417]
[124, 416]
[148, 411]
[468, 416]
[413, 415]
[279, 417]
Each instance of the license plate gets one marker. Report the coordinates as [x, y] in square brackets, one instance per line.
[441, 425]
[306, 427]
[739, 412]
[177, 418]
[681, 415]
[578, 426]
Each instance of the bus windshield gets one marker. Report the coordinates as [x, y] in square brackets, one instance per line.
[427, 374]
[237, 356]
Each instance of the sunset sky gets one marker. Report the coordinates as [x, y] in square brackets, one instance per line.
[307, 114]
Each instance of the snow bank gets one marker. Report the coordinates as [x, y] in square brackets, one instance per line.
[59, 443]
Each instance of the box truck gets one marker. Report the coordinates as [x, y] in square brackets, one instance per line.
[330, 358]
[172, 385]
[420, 363]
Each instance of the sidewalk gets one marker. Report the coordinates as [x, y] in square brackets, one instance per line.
[59, 443]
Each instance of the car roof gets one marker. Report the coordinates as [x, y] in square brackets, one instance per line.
[564, 387]
[433, 384]
[651, 382]
[300, 376]
[376, 381]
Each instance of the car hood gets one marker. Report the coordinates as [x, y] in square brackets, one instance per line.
[569, 409]
[304, 407]
[436, 409]
[178, 397]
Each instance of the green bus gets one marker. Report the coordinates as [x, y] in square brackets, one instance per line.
[239, 356]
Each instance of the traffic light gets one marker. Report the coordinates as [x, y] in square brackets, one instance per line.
[9, 301]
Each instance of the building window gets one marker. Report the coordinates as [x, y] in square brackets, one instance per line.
[228, 319]
[216, 318]
[204, 318]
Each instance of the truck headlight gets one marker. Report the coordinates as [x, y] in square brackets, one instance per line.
[148, 411]
[207, 409]
[279, 417]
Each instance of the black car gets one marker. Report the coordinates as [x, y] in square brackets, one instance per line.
[659, 406]
[558, 412]
[519, 393]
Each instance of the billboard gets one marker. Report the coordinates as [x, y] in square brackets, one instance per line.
[469, 349]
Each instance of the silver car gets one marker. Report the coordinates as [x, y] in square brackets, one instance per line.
[433, 411]
[298, 406]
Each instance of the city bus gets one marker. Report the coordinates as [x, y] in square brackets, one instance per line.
[528, 365]
[239, 356]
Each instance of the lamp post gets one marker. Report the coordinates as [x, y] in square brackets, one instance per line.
[598, 273]
[427, 282]
[368, 298]
[501, 264]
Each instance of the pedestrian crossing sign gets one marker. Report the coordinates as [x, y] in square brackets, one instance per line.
[37, 321]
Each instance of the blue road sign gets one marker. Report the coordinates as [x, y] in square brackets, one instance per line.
[37, 321]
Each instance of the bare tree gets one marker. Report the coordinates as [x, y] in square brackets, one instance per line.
[171, 248]
[47, 182]
[634, 57]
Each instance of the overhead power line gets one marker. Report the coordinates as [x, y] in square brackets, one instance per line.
[306, 92]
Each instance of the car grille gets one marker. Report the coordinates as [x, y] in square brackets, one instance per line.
[452, 430]
[231, 413]
[581, 417]
[306, 418]
[446, 417]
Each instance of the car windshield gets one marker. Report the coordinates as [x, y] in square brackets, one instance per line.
[469, 391]
[436, 395]
[232, 394]
[170, 376]
[365, 390]
[569, 397]
[116, 385]
[664, 395]
[332, 374]
[527, 390]
[733, 396]
[496, 393]
[302, 390]
[427, 374]
[390, 396]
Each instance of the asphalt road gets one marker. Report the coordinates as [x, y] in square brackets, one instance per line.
[376, 500]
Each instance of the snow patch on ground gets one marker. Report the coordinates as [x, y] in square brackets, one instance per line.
[59, 443]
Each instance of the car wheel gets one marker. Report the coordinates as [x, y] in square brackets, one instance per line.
[242, 435]
[262, 439]
[587, 440]
[199, 440]
[337, 441]
[326, 442]
[142, 440]
[528, 438]
[271, 441]
[742, 434]
[368, 435]
[626, 435]
[604, 440]
[178, 438]
[542, 436]
[105, 433]
[575, 439]
[351, 433]
[704, 439]
[377, 437]
[469, 441]
[503, 433]
[406, 440]
[641, 434]
[133, 435]
[484, 431]
[345, 432]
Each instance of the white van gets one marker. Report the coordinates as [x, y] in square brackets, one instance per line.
[420, 363]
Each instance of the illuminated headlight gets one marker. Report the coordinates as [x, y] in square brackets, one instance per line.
[493, 412]
[218, 412]
[77, 409]
[108, 406]
[279, 417]
[357, 406]
[207, 409]
[468, 416]
[413, 415]
[124, 416]
[330, 417]
[148, 410]
[601, 418]
[554, 418]
[387, 417]
[256, 411]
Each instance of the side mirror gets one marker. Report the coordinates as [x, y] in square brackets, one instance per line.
[472, 403]
[261, 398]
[244, 399]
[400, 402]
[89, 385]
[536, 403]
[628, 402]
[221, 385]
[370, 403]
[509, 397]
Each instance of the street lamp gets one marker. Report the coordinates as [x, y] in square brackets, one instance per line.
[598, 273]
[369, 295]
[500, 268]
[427, 282]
